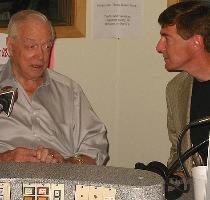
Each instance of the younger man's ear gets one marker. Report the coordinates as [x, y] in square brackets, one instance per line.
[198, 41]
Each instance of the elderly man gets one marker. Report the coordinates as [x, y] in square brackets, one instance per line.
[52, 120]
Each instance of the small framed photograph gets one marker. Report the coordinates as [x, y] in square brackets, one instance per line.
[62, 14]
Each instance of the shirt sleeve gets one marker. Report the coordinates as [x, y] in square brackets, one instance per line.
[90, 134]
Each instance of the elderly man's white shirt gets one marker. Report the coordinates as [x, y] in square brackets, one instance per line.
[58, 116]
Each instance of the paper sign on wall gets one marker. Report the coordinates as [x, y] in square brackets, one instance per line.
[117, 18]
[4, 56]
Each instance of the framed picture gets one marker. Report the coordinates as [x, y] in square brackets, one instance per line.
[67, 16]
[171, 2]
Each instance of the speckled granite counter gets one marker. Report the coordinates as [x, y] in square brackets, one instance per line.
[130, 184]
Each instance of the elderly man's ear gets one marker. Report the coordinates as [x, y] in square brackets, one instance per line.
[10, 43]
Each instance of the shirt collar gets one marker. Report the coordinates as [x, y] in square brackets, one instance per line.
[46, 78]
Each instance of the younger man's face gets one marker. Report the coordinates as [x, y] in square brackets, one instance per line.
[176, 51]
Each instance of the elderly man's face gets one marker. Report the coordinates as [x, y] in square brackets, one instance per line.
[30, 49]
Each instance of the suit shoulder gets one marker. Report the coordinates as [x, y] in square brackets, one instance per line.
[179, 80]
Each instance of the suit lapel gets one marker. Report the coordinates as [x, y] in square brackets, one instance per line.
[184, 99]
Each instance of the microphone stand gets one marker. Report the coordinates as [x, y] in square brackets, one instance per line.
[181, 184]
[182, 134]
[185, 156]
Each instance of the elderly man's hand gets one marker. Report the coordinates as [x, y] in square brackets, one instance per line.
[19, 154]
[46, 155]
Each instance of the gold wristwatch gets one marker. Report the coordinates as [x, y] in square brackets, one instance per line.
[78, 159]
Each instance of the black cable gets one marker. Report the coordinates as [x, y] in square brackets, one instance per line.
[186, 155]
[180, 138]
[183, 185]
[179, 184]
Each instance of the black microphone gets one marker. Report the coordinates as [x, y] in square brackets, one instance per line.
[8, 95]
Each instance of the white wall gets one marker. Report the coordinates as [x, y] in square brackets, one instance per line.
[125, 82]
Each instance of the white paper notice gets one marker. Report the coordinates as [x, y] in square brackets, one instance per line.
[4, 56]
[117, 18]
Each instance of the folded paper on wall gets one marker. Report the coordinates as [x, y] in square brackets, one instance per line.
[4, 55]
[117, 18]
